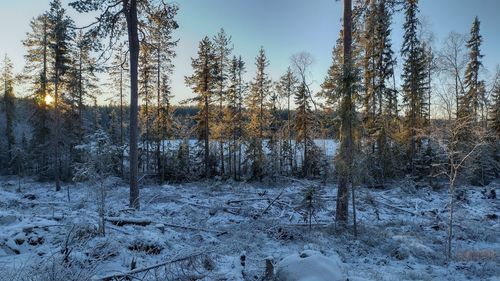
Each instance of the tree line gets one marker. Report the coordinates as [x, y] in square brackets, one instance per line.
[388, 125]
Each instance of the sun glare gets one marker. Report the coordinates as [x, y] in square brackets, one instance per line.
[49, 99]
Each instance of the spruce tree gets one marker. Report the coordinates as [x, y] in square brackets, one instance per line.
[380, 99]
[495, 107]
[471, 101]
[414, 77]
[162, 24]
[9, 106]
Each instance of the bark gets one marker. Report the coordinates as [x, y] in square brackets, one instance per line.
[342, 191]
[130, 8]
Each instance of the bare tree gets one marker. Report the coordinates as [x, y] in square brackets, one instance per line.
[457, 155]
[452, 60]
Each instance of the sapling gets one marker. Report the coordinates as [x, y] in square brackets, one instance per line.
[98, 154]
[457, 152]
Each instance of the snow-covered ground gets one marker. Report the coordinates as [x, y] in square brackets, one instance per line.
[228, 230]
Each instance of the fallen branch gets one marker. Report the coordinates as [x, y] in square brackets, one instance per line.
[244, 200]
[270, 204]
[118, 221]
[129, 274]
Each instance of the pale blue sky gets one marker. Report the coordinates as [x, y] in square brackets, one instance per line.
[283, 27]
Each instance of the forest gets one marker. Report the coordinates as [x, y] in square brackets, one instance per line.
[388, 171]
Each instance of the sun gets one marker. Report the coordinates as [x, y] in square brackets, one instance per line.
[48, 99]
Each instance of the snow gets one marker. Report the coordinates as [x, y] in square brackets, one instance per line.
[401, 234]
[309, 266]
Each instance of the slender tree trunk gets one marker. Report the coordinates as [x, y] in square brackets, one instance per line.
[450, 221]
[342, 191]
[121, 122]
[130, 8]
[207, 148]
[159, 165]
[56, 136]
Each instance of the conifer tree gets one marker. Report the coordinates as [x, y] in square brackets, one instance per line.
[471, 101]
[414, 77]
[233, 115]
[118, 81]
[202, 82]
[9, 106]
[81, 86]
[37, 70]
[60, 37]
[146, 92]
[287, 88]
[162, 25]
[304, 115]
[258, 111]
[380, 100]
[109, 24]
[495, 107]
[222, 51]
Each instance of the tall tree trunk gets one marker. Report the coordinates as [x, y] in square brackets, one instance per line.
[121, 122]
[56, 135]
[207, 148]
[346, 137]
[130, 8]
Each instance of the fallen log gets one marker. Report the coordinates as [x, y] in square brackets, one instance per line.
[119, 221]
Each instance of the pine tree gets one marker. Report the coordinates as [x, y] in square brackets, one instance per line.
[202, 82]
[118, 80]
[146, 92]
[9, 106]
[287, 88]
[414, 77]
[233, 115]
[36, 70]
[81, 85]
[108, 24]
[60, 37]
[222, 51]
[258, 110]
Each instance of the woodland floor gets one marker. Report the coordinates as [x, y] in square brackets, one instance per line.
[222, 225]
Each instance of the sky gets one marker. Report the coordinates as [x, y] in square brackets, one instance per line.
[282, 27]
